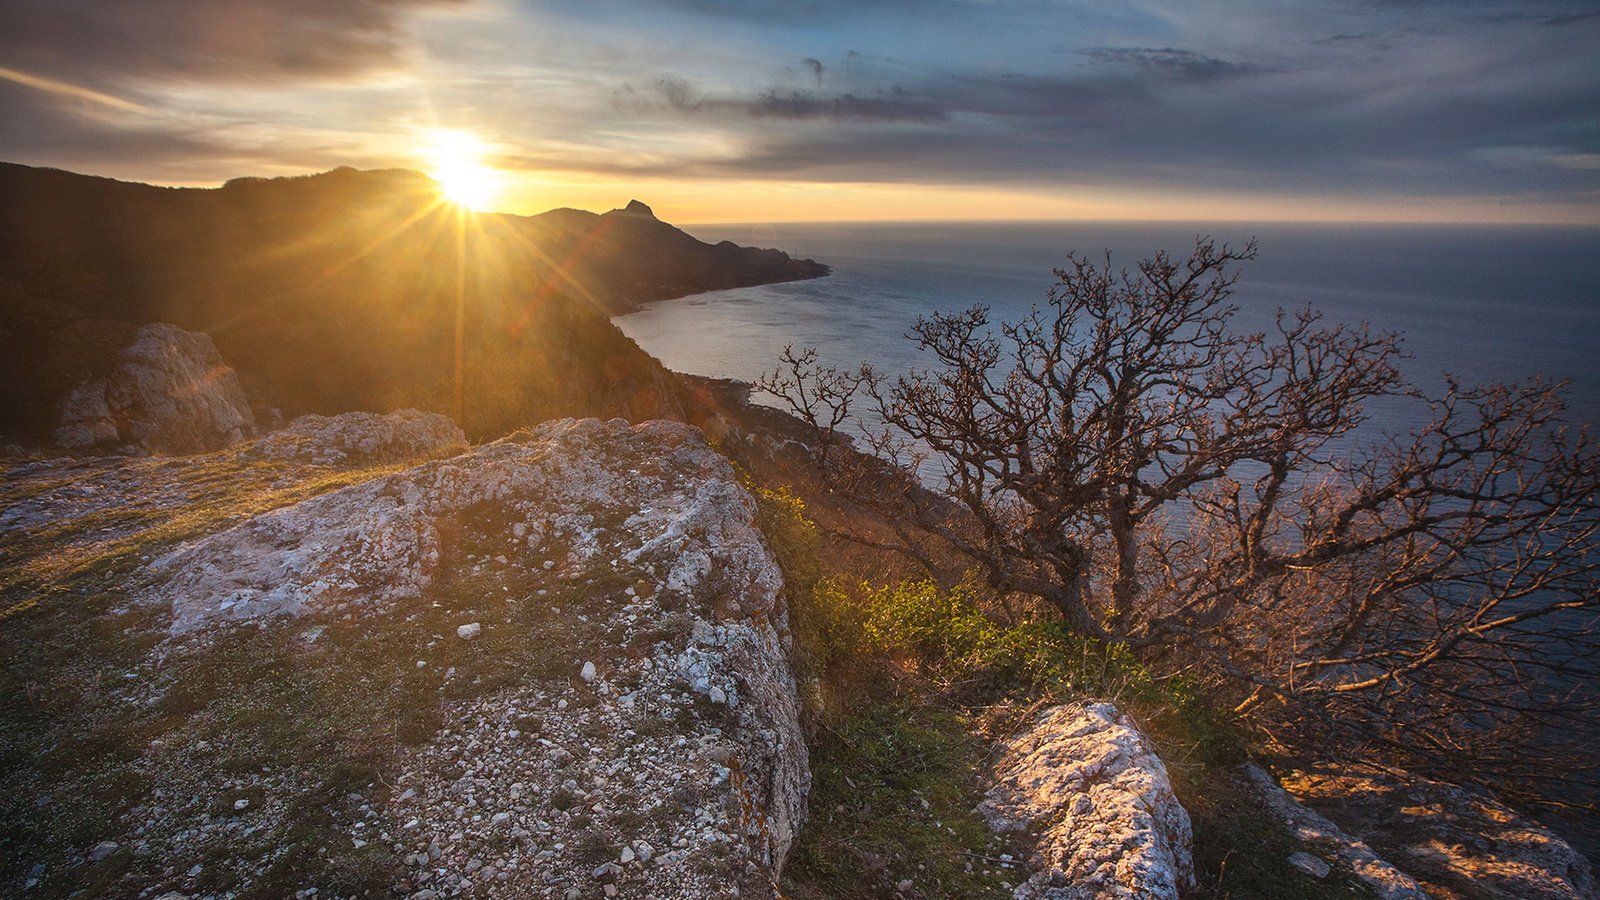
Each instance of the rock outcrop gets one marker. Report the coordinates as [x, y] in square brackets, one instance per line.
[363, 437]
[1097, 799]
[168, 392]
[647, 738]
[1456, 842]
[1330, 841]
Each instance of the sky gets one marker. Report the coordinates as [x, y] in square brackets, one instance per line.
[785, 110]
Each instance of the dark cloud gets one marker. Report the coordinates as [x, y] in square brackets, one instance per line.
[243, 41]
[816, 67]
[797, 105]
[1169, 61]
[781, 12]
[1549, 20]
[894, 105]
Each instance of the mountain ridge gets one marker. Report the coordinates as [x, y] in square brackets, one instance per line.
[346, 290]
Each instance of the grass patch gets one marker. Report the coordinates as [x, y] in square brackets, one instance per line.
[893, 789]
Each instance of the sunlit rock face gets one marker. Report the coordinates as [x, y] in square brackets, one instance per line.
[360, 437]
[1087, 783]
[1330, 842]
[1454, 841]
[626, 718]
[169, 392]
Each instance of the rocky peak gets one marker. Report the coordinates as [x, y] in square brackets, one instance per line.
[635, 208]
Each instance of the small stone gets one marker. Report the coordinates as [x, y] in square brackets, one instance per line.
[241, 803]
[627, 856]
[469, 631]
[611, 890]
[474, 865]
[195, 870]
[500, 818]
[103, 850]
[422, 664]
[1309, 864]
[717, 696]
[904, 886]
[588, 674]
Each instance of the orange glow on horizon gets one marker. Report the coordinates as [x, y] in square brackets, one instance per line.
[703, 201]
[480, 187]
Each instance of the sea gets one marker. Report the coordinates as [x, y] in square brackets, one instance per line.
[1480, 304]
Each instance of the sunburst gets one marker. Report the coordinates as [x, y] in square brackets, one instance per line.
[456, 162]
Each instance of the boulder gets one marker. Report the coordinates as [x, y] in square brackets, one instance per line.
[355, 438]
[1085, 782]
[167, 392]
[1457, 842]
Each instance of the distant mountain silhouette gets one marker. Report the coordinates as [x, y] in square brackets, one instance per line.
[339, 291]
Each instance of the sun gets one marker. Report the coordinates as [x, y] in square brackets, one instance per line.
[455, 160]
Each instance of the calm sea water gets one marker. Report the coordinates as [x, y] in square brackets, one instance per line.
[1484, 303]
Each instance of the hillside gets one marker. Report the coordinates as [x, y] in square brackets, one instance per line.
[342, 291]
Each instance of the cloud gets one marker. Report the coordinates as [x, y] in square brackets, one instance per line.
[40, 129]
[816, 67]
[894, 105]
[1445, 99]
[238, 41]
[1171, 62]
[797, 105]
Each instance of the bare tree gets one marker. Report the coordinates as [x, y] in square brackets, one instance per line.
[1161, 478]
[819, 395]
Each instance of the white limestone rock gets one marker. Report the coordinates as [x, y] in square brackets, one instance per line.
[1088, 786]
[1349, 852]
[1452, 840]
[377, 541]
[169, 392]
[363, 437]
[525, 779]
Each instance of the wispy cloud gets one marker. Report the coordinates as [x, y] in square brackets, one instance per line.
[72, 91]
[243, 41]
